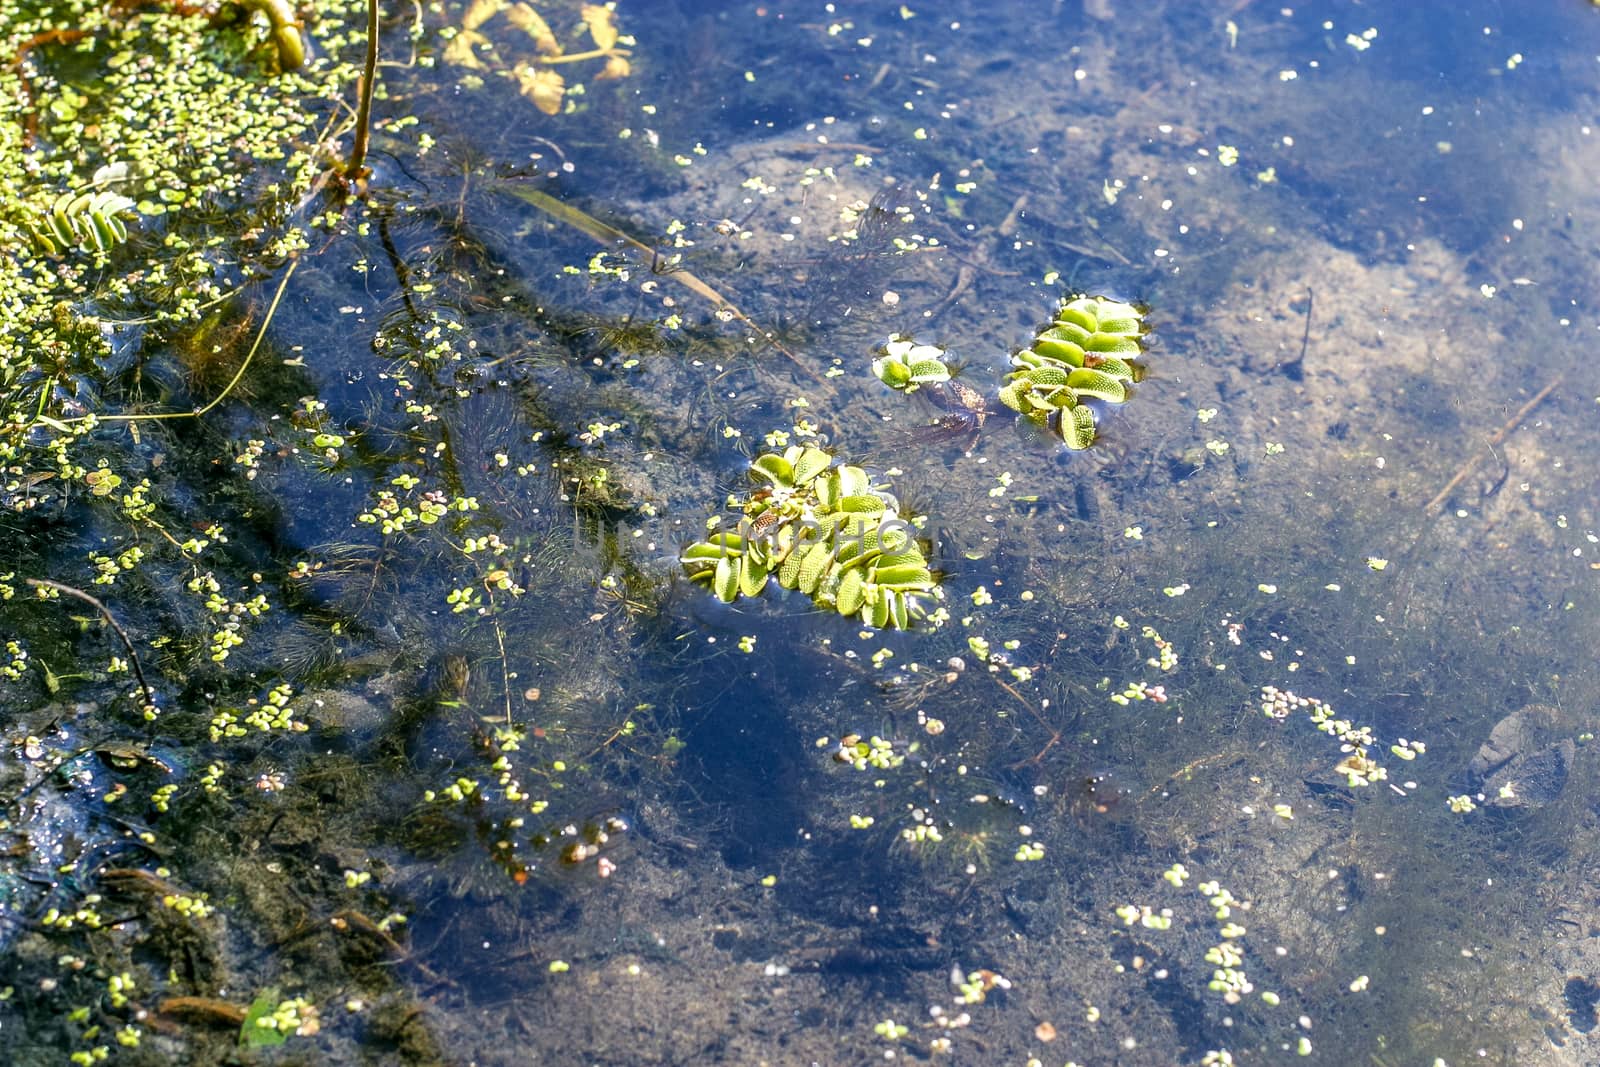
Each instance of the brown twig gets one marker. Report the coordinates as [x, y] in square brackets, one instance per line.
[505, 664]
[1498, 436]
[203, 1010]
[105, 613]
[1055, 735]
[1189, 768]
[30, 124]
[356, 169]
[1296, 368]
[967, 272]
[350, 921]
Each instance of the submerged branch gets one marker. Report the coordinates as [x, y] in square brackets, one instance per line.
[612, 237]
[111, 620]
[1498, 436]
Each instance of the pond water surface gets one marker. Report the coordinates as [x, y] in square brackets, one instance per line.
[1191, 764]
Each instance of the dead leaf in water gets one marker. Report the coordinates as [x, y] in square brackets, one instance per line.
[544, 87]
[601, 27]
[462, 51]
[529, 21]
[480, 12]
[616, 67]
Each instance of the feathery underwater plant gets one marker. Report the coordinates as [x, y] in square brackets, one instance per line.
[1087, 352]
[825, 530]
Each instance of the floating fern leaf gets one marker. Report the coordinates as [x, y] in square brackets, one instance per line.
[1130, 325]
[899, 609]
[1076, 314]
[904, 365]
[831, 535]
[1097, 384]
[911, 577]
[810, 463]
[851, 593]
[1113, 344]
[853, 481]
[818, 559]
[1011, 395]
[1086, 352]
[776, 469]
[725, 580]
[865, 503]
[1038, 391]
[91, 220]
[1059, 351]
[789, 571]
[1076, 426]
[895, 539]
[795, 469]
[893, 373]
[1118, 368]
[753, 576]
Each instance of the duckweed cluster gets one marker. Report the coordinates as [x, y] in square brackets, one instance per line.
[1357, 766]
[826, 530]
[96, 150]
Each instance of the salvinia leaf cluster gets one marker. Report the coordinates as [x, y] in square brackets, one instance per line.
[1087, 352]
[92, 219]
[826, 530]
[904, 365]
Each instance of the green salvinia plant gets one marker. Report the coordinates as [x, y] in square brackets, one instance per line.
[826, 530]
[904, 365]
[1087, 352]
[91, 220]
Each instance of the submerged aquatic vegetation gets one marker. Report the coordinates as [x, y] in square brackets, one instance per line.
[827, 531]
[1087, 352]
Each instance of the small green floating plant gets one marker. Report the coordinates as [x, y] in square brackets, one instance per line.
[904, 365]
[1087, 352]
[826, 530]
[91, 220]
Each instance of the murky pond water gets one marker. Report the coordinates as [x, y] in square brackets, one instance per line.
[1258, 731]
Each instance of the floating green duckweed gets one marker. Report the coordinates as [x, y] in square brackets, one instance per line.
[825, 530]
[904, 365]
[1087, 352]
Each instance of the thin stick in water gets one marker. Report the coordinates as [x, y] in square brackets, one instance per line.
[1499, 435]
[105, 613]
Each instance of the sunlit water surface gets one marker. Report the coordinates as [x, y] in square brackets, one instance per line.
[1188, 772]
